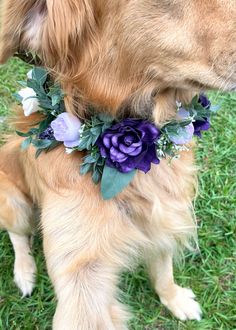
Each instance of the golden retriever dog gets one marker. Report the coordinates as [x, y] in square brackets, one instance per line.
[141, 55]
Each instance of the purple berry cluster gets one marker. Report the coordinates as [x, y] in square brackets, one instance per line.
[48, 134]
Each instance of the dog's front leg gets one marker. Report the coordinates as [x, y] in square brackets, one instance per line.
[180, 301]
[85, 243]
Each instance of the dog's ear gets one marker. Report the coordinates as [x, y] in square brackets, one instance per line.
[68, 29]
[55, 29]
[21, 22]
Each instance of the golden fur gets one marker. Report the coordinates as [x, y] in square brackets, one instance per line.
[139, 55]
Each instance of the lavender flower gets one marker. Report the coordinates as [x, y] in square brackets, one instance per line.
[66, 129]
[183, 136]
[130, 145]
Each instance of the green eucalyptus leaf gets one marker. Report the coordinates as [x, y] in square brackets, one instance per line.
[39, 74]
[24, 134]
[45, 123]
[96, 177]
[18, 97]
[26, 143]
[85, 168]
[35, 85]
[90, 159]
[113, 182]
[54, 144]
[42, 144]
[38, 153]
[106, 126]
[96, 130]
[56, 99]
[105, 118]
[89, 143]
[22, 83]
[82, 144]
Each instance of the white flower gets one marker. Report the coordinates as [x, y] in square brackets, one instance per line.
[29, 101]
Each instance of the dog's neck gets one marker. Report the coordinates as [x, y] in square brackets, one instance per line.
[146, 102]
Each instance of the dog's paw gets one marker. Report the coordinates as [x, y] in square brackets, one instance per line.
[24, 274]
[182, 305]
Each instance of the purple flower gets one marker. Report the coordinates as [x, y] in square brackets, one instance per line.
[130, 145]
[204, 124]
[66, 129]
[204, 101]
[184, 135]
[48, 134]
[201, 125]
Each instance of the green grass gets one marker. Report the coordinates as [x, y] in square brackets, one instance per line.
[211, 274]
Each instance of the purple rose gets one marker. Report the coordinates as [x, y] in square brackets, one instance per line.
[66, 129]
[204, 101]
[130, 145]
[202, 125]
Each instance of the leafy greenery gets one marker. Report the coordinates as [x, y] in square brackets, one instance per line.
[211, 273]
[51, 101]
[50, 97]
[113, 181]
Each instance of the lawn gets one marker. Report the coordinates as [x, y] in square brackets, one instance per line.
[211, 273]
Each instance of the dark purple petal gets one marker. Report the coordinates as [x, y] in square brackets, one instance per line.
[130, 145]
[128, 140]
[200, 125]
[204, 101]
[149, 132]
[149, 157]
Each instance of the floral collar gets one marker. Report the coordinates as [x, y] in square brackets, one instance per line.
[115, 149]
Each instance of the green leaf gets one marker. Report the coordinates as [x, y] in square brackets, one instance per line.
[40, 75]
[113, 182]
[24, 134]
[42, 144]
[96, 130]
[85, 168]
[35, 85]
[105, 118]
[90, 159]
[26, 143]
[56, 99]
[22, 83]
[45, 123]
[38, 153]
[96, 177]
[18, 97]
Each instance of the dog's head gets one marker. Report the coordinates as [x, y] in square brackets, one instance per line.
[109, 49]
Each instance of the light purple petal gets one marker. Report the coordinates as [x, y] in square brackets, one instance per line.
[71, 144]
[117, 156]
[107, 140]
[183, 114]
[66, 128]
[185, 135]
